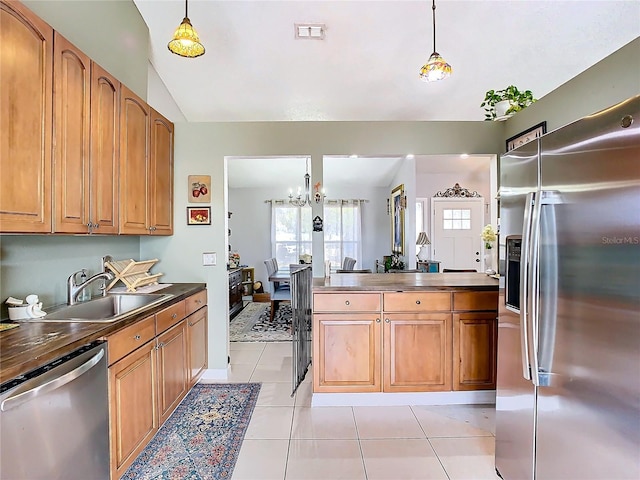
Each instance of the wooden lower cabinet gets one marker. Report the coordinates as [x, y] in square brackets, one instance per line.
[417, 352]
[197, 344]
[153, 364]
[474, 350]
[426, 341]
[347, 353]
[173, 370]
[132, 406]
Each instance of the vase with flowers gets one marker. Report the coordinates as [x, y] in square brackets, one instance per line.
[489, 236]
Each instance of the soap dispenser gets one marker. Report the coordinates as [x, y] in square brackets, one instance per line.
[85, 293]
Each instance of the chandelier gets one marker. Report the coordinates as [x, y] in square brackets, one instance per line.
[186, 42]
[436, 67]
[299, 200]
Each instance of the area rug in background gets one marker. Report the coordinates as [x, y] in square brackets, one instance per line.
[202, 437]
[252, 324]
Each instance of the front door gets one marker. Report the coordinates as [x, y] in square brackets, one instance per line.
[456, 225]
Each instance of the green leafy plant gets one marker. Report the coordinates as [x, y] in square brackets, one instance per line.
[517, 100]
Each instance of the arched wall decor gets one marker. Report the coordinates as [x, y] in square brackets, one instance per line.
[458, 192]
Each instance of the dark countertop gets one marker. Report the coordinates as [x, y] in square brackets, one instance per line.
[34, 344]
[340, 282]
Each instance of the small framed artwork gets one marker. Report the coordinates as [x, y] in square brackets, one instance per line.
[526, 136]
[198, 215]
[397, 220]
[199, 188]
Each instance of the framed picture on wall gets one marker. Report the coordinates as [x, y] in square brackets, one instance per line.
[198, 215]
[199, 188]
[398, 204]
[526, 136]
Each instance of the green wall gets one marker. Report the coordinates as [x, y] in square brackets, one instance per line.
[111, 32]
[610, 81]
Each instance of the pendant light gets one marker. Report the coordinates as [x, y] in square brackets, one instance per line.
[436, 67]
[186, 42]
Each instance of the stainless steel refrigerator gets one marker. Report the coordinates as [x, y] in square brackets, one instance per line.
[568, 383]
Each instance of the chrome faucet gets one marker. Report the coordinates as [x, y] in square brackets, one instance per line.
[73, 288]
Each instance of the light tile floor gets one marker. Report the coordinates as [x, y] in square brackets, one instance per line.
[289, 440]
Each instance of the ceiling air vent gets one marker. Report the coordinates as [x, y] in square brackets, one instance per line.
[310, 31]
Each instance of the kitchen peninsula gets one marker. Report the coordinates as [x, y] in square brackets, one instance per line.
[404, 338]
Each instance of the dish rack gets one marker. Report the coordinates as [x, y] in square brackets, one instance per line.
[133, 274]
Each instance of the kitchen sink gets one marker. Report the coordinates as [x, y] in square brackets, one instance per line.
[106, 309]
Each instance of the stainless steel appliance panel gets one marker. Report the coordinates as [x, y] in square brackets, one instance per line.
[588, 406]
[55, 425]
[515, 395]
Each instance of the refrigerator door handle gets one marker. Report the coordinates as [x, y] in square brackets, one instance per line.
[534, 289]
[525, 266]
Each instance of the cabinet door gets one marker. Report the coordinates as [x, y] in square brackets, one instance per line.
[172, 369]
[474, 350]
[134, 163]
[26, 92]
[71, 117]
[197, 342]
[417, 352]
[133, 415]
[105, 147]
[347, 352]
[161, 175]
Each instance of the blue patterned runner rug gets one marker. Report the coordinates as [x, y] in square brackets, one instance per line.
[202, 438]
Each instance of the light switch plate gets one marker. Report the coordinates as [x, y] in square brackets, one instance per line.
[209, 259]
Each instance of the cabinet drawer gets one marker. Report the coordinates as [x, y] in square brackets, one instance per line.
[475, 301]
[170, 316]
[346, 302]
[194, 302]
[417, 301]
[129, 338]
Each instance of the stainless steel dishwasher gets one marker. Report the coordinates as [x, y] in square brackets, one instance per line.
[54, 422]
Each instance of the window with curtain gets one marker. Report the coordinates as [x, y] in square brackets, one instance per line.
[290, 232]
[342, 232]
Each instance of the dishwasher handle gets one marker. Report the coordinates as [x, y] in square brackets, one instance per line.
[48, 386]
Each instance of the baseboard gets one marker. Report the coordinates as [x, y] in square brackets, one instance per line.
[399, 399]
[214, 375]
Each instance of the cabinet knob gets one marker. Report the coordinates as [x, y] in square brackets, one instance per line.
[96, 225]
[137, 337]
[198, 302]
[386, 320]
[347, 302]
[174, 315]
[417, 302]
[377, 320]
[191, 324]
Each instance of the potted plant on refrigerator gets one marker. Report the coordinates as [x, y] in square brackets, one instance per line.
[501, 104]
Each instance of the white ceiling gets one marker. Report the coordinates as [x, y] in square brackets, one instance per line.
[367, 66]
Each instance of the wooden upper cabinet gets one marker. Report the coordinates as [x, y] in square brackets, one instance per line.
[26, 53]
[105, 150]
[161, 176]
[135, 124]
[71, 118]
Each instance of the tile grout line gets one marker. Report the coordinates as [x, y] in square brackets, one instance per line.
[364, 464]
[429, 440]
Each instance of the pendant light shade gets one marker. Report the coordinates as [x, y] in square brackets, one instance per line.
[186, 42]
[436, 67]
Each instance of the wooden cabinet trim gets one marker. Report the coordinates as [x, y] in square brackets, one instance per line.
[125, 341]
[195, 302]
[346, 302]
[173, 375]
[168, 317]
[475, 349]
[197, 330]
[26, 103]
[417, 301]
[133, 414]
[417, 352]
[475, 301]
[360, 335]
